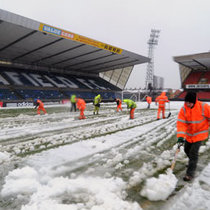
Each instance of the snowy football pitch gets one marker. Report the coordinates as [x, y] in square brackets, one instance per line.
[56, 161]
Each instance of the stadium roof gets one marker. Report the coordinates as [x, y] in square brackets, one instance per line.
[27, 42]
[199, 61]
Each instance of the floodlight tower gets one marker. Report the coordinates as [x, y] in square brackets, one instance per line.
[153, 40]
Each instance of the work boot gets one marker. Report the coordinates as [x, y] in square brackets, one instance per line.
[187, 178]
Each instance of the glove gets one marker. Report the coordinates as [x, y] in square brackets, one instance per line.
[180, 140]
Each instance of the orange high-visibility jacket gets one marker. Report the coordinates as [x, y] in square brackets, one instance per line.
[149, 99]
[193, 124]
[162, 99]
[40, 103]
[81, 103]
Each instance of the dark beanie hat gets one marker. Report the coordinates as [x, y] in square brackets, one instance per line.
[190, 97]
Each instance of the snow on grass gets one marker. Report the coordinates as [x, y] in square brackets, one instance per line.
[101, 148]
[4, 156]
[195, 195]
[159, 188]
[20, 181]
[65, 193]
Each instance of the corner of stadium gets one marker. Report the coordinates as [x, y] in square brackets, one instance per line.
[195, 75]
[45, 62]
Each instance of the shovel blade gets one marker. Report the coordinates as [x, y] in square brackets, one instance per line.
[169, 114]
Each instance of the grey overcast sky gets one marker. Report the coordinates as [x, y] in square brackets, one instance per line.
[184, 25]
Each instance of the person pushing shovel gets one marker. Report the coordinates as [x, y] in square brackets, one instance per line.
[130, 105]
[192, 129]
[161, 100]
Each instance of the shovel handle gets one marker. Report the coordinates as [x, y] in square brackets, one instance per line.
[174, 160]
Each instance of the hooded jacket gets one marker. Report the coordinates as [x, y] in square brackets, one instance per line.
[97, 99]
[130, 104]
[193, 123]
[81, 103]
[39, 103]
[162, 99]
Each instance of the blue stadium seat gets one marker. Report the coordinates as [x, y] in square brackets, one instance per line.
[6, 94]
[42, 94]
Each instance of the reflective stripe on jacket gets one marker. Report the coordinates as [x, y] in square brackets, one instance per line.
[193, 124]
[162, 99]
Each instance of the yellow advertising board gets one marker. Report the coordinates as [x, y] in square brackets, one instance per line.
[82, 39]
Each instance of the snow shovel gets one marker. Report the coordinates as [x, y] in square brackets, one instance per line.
[169, 114]
[176, 153]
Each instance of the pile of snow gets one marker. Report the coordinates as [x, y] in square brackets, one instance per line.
[159, 188]
[194, 195]
[66, 193]
[4, 156]
[20, 181]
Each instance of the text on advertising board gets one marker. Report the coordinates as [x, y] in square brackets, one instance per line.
[82, 39]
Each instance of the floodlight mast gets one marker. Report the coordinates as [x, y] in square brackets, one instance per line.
[153, 40]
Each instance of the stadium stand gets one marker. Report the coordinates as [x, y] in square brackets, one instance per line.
[203, 95]
[193, 78]
[40, 94]
[38, 60]
[182, 95]
[7, 94]
[30, 85]
[195, 75]
[206, 78]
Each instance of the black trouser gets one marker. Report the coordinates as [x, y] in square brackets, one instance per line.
[191, 150]
[73, 106]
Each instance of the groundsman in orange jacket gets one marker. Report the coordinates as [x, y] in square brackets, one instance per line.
[119, 104]
[161, 100]
[149, 101]
[40, 105]
[192, 129]
[81, 105]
